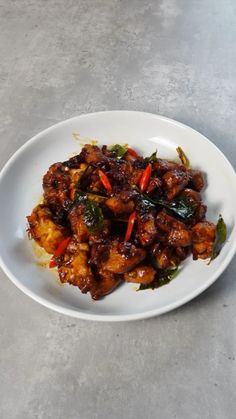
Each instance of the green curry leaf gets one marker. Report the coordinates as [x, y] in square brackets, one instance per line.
[153, 157]
[93, 216]
[182, 206]
[119, 150]
[221, 234]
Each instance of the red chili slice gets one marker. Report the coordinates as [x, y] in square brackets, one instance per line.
[52, 263]
[145, 178]
[132, 153]
[62, 247]
[59, 251]
[105, 181]
[130, 226]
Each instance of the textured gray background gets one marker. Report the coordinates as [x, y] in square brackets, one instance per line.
[66, 57]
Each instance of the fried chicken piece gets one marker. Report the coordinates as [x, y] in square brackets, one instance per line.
[91, 154]
[181, 252]
[118, 171]
[56, 185]
[196, 179]
[142, 274]
[123, 257]
[204, 234]
[101, 235]
[162, 166]
[155, 184]
[135, 177]
[44, 230]
[106, 283]
[195, 200]
[77, 223]
[193, 196]
[99, 253]
[171, 231]
[120, 204]
[75, 270]
[174, 182]
[146, 228]
[168, 257]
[163, 256]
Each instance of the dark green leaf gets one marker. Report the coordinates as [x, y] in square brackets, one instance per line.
[119, 150]
[184, 159]
[153, 157]
[93, 216]
[221, 234]
[163, 277]
[182, 206]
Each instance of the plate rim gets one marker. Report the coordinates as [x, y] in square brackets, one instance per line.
[117, 317]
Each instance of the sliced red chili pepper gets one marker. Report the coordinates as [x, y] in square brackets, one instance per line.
[105, 181]
[145, 178]
[130, 226]
[52, 263]
[72, 194]
[62, 247]
[59, 251]
[132, 153]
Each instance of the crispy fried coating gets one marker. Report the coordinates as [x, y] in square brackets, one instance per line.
[142, 274]
[203, 240]
[44, 230]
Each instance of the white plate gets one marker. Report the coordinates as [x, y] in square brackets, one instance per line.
[20, 189]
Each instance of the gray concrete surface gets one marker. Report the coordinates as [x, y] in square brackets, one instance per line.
[66, 57]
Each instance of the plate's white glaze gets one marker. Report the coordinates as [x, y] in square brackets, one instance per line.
[20, 189]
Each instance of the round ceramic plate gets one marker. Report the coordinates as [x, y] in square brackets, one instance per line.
[20, 190]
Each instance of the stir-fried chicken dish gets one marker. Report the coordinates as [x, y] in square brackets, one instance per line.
[110, 216]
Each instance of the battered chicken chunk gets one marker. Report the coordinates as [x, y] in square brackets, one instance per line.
[196, 179]
[75, 270]
[91, 154]
[120, 204]
[203, 240]
[163, 256]
[162, 166]
[171, 231]
[77, 223]
[195, 200]
[56, 185]
[106, 283]
[142, 274]
[174, 182]
[44, 230]
[123, 257]
[146, 228]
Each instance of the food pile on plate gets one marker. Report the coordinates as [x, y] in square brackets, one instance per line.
[111, 216]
